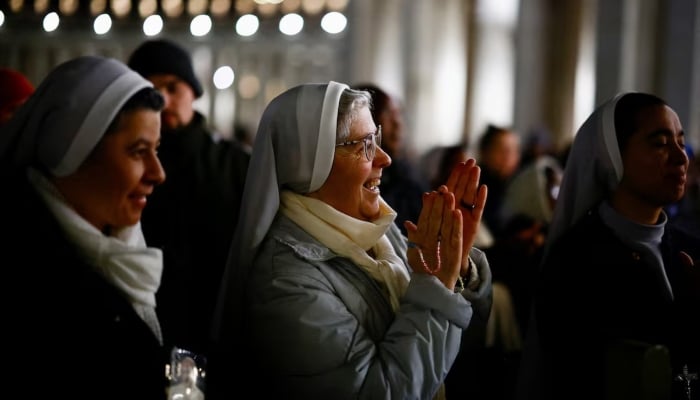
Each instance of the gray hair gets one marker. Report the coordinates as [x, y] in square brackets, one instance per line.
[349, 106]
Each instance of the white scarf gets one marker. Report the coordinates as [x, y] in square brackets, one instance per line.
[123, 259]
[351, 238]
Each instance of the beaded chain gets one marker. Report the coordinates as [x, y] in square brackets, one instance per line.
[422, 259]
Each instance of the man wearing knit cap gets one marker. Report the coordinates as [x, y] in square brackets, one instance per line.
[192, 216]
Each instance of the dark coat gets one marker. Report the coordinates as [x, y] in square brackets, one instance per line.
[597, 293]
[192, 217]
[67, 331]
[493, 210]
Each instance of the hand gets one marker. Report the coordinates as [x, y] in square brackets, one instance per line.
[435, 244]
[471, 199]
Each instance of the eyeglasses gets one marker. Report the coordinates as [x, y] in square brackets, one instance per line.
[370, 142]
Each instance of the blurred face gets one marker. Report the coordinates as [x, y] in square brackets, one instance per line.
[352, 186]
[504, 155]
[179, 96]
[531, 239]
[392, 128]
[110, 188]
[654, 160]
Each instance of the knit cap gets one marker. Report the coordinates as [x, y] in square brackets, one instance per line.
[162, 56]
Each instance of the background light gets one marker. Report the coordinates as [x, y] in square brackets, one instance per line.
[97, 7]
[334, 22]
[50, 22]
[153, 25]
[291, 24]
[147, 7]
[223, 77]
[68, 7]
[102, 24]
[200, 25]
[248, 86]
[247, 25]
[121, 8]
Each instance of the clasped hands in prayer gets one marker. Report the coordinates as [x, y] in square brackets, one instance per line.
[439, 243]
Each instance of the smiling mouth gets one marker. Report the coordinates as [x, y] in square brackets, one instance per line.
[373, 184]
[140, 198]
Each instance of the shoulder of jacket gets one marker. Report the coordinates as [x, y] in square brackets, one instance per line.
[291, 235]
